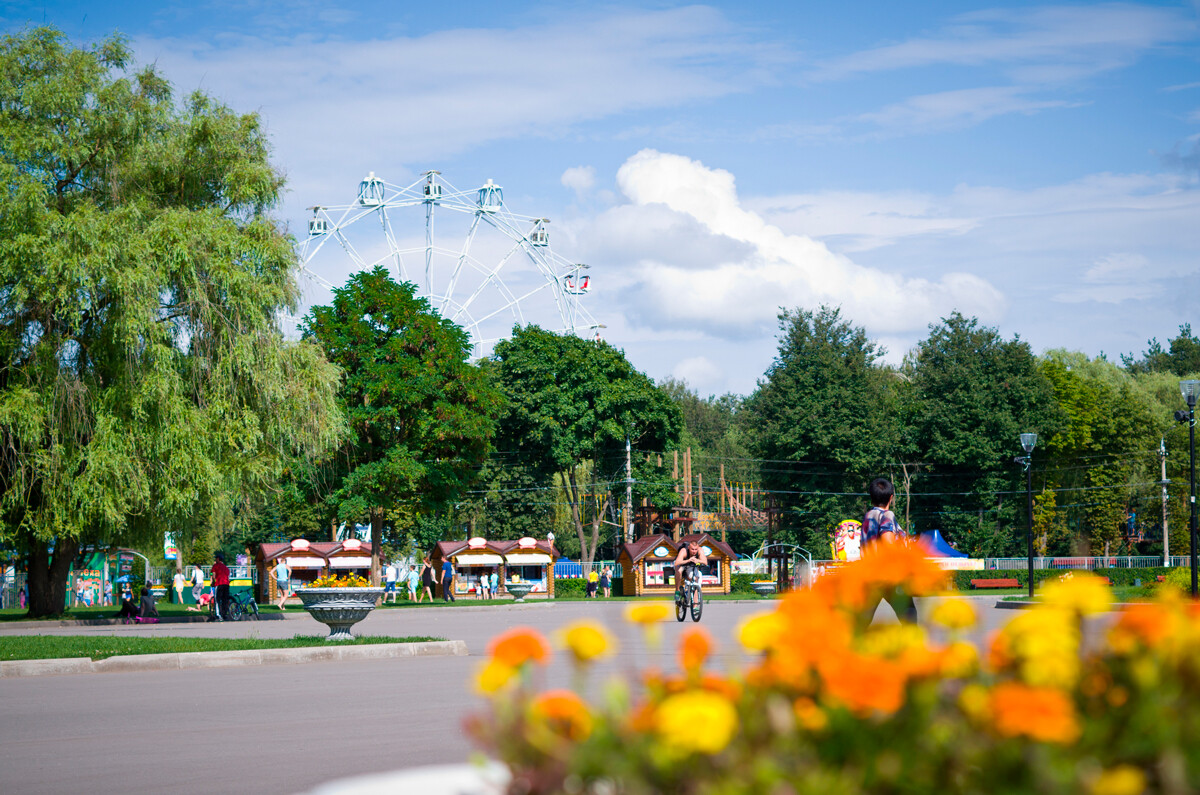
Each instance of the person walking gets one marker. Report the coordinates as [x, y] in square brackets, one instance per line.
[606, 582]
[283, 581]
[413, 581]
[494, 584]
[389, 582]
[427, 580]
[197, 583]
[447, 581]
[485, 586]
[220, 580]
[880, 527]
[177, 583]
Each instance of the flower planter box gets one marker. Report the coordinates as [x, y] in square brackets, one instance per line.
[339, 608]
[763, 588]
[519, 590]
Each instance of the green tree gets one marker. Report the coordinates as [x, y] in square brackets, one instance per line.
[572, 404]
[973, 394]
[1182, 356]
[1101, 446]
[422, 416]
[821, 421]
[144, 376]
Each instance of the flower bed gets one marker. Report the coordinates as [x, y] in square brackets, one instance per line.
[833, 704]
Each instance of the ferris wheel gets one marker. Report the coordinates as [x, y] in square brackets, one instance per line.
[479, 265]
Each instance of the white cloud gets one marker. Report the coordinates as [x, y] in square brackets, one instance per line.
[953, 109]
[580, 179]
[336, 105]
[1114, 279]
[741, 296]
[1082, 40]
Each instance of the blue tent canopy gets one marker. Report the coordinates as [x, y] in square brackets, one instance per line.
[937, 546]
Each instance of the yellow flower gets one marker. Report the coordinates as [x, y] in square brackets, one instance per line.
[761, 631]
[1083, 594]
[648, 613]
[493, 677]
[587, 641]
[953, 614]
[1120, 780]
[959, 660]
[697, 721]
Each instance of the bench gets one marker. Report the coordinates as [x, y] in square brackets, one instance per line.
[1000, 583]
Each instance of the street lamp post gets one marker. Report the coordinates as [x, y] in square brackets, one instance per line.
[1028, 442]
[1190, 389]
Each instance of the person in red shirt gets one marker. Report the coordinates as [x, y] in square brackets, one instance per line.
[220, 581]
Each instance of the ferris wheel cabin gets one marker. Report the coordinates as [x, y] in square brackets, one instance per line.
[491, 197]
[540, 236]
[432, 190]
[370, 191]
[317, 225]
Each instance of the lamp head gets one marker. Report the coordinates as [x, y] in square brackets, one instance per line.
[1190, 389]
[1028, 442]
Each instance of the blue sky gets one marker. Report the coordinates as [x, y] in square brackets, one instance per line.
[1033, 164]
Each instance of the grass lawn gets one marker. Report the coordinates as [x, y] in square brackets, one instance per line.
[45, 647]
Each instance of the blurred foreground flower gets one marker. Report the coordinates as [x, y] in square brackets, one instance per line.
[828, 703]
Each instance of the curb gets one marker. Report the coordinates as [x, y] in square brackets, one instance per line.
[229, 659]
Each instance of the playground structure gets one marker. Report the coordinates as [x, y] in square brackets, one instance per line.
[477, 263]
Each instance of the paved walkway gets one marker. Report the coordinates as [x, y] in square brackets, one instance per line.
[287, 728]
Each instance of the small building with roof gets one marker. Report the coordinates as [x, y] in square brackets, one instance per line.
[526, 560]
[308, 560]
[648, 564]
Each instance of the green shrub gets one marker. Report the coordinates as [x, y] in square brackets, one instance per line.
[742, 583]
[570, 588]
[962, 579]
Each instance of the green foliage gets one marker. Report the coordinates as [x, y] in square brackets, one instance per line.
[1118, 576]
[820, 418]
[1182, 357]
[571, 405]
[99, 647]
[570, 588]
[145, 380]
[742, 583]
[973, 394]
[422, 416]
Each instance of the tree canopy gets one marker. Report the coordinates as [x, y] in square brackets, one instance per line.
[571, 406]
[144, 377]
[422, 416]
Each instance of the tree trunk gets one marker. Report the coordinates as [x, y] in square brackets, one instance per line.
[48, 576]
[572, 488]
[376, 543]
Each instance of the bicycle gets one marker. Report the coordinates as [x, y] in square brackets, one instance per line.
[690, 597]
[241, 605]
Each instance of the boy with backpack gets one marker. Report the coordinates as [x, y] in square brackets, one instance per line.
[880, 527]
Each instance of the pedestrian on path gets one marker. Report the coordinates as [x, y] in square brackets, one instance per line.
[413, 582]
[427, 580]
[283, 581]
[389, 582]
[220, 580]
[448, 581]
[177, 583]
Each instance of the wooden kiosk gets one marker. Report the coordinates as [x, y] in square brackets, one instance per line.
[528, 559]
[648, 564]
[309, 560]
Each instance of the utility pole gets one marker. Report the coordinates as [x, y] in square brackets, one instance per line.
[628, 520]
[1162, 459]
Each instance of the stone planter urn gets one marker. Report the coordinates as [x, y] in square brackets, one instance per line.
[519, 590]
[763, 588]
[339, 608]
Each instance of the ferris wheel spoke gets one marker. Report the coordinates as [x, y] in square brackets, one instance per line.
[349, 248]
[493, 277]
[462, 257]
[393, 247]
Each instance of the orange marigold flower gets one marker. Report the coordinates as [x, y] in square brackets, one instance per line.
[1039, 713]
[564, 713]
[810, 717]
[865, 685]
[518, 646]
[694, 648]
[1140, 625]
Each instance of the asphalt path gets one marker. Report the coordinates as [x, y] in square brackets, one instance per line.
[287, 728]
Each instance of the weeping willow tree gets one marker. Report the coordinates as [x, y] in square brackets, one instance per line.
[144, 379]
